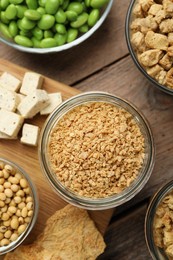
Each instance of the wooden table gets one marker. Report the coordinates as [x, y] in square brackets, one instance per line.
[103, 63]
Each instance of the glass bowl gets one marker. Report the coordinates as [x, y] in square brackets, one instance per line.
[113, 200]
[22, 235]
[156, 251]
[66, 46]
[154, 82]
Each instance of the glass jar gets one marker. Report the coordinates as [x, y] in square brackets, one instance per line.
[97, 203]
[129, 19]
[12, 245]
[155, 251]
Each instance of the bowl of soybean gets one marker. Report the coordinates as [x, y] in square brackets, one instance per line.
[45, 26]
[19, 205]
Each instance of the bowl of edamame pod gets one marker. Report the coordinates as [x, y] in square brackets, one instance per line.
[45, 26]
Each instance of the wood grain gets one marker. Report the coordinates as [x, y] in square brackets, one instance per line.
[27, 158]
[125, 237]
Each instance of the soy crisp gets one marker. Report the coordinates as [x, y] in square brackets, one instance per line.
[96, 150]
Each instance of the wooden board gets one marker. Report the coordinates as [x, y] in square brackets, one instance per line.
[27, 158]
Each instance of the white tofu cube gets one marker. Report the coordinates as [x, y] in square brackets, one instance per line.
[10, 122]
[9, 82]
[8, 99]
[55, 100]
[31, 81]
[5, 136]
[30, 134]
[33, 103]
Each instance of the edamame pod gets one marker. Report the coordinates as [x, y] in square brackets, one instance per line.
[25, 33]
[71, 15]
[32, 15]
[4, 18]
[65, 4]
[11, 12]
[48, 34]
[46, 21]
[37, 33]
[41, 10]
[51, 6]
[27, 24]
[81, 20]
[60, 16]
[84, 28]
[5, 31]
[13, 28]
[36, 42]
[42, 3]
[21, 10]
[32, 4]
[76, 7]
[60, 28]
[98, 3]
[23, 40]
[16, 2]
[93, 17]
[48, 43]
[87, 3]
[72, 34]
[60, 39]
[4, 4]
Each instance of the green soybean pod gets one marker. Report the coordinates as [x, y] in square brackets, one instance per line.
[46, 21]
[71, 16]
[26, 33]
[4, 18]
[60, 39]
[27, 24]
[13, 28]
[37, 33]
[81, 20]
[36, 42]
[42, 3]
[41, 10]
[4, 4]
[98, 3]
[32, 15]
[76, 7]
[32, 4]
[19, 25]
[16, 2]
[65, 4]
[93, 17]
[23, 40]
[87, 3]
[84, 28]
[48, 43]
[60, 16]
[60, 28]
[5, 30]
[11, 12]
[48, 34]
[21, 10]
[51, 6]
[72, 34]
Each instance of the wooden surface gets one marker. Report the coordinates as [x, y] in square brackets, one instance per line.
[103, 63]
